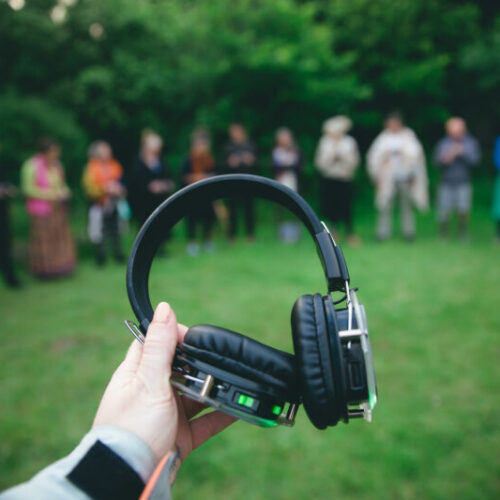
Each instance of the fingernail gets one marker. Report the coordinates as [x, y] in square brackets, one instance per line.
[162, 312]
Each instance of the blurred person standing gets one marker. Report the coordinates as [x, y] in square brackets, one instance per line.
[51, 246]
[7, 191]
[103, 184]
[199, 165]
[496, 195]
[396, 165]
[286, 164]
[455, 155]
[150, 181]
[337, 158]
[240, 158]
[286, 159]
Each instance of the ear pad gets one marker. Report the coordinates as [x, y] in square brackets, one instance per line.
[242, 356]
[311, 341]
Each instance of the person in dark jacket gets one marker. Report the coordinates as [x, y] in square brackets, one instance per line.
[286, 159]
[286, 164]
[455, 155]
[240, 158]
[150, 182]
[6, 265]
[199, 165]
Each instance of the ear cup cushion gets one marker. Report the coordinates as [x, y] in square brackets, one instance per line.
[314, 361]
[242, 356]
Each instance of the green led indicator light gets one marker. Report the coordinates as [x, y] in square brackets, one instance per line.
[244, 400]
[276, 410]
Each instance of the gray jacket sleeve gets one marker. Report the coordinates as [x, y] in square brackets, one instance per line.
[472, 152]
[52, 482]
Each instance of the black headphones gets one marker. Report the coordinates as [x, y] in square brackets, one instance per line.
[332, 371]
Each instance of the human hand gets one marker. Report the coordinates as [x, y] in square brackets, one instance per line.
[233, 161]
[458, 149]
[115, 189]
[64, 194]
[159, 186]
[140, 399]
[197, 176]
[248, 158]
[386, 157]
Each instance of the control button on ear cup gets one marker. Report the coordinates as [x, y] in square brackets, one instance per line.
[243, 356]
[314, 360]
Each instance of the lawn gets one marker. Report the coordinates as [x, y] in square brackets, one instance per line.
[433, 311]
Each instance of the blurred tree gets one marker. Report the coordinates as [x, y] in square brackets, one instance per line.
[482, 60]
[408, 52]
[23, 119]
[123, 65]
[91, 69]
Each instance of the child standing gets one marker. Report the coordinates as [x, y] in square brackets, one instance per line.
[103, 184]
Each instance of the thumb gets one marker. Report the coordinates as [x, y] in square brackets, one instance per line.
[159, 346]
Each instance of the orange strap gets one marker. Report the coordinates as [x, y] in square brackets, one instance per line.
[148, 490]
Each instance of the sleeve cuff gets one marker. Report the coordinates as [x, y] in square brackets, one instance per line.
[128, 446]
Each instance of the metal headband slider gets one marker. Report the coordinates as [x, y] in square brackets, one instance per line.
[134, 330]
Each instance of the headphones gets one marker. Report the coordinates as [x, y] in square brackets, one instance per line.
[332, 373]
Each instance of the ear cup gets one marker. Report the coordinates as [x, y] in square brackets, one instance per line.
[242, 356]
[311, 341]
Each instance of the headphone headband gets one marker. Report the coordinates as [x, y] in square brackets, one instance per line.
[179, 204]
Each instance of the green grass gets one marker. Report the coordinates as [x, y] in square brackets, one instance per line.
[433, 312]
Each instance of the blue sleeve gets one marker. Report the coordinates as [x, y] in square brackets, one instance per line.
[496, 153]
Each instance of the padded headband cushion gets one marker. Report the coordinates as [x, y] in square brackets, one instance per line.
[242, 356]
[314, 361]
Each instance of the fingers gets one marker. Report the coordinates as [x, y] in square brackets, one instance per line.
[182, 330]
[133, 357]
[159, 347]
[191, 407]
[206, 426]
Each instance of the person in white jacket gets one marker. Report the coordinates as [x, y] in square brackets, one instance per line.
[396, 165]
[337, 158]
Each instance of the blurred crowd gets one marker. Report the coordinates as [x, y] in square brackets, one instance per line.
[395, 161]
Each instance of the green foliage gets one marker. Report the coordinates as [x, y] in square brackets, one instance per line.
[407, 52]
[173, 65]
[118, 66]
[25, 118]
[482, 60]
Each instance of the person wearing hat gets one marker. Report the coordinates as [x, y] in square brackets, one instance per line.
[396, 165]
[337, 158]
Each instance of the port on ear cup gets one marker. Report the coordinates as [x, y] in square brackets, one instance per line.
[311, 341]
[242, 356]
